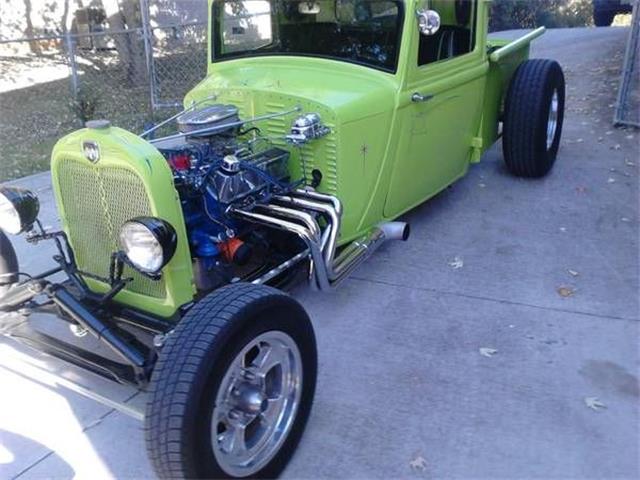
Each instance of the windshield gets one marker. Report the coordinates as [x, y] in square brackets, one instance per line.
[366, 32]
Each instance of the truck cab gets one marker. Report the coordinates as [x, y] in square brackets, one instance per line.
[409, 110]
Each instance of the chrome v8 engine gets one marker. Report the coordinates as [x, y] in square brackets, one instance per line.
[218, 166]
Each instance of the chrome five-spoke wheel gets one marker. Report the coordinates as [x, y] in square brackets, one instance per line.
[256, 403]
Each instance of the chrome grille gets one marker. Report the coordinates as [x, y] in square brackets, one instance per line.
[96, 202]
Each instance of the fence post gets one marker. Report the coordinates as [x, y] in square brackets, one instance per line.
[629, 76]
[71, 52]
[147, 34]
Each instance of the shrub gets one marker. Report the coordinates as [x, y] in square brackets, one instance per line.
[510, 14]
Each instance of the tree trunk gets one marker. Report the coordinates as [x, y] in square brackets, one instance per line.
[34, 46]
[130, 45]
[65, 17]
[138, 64]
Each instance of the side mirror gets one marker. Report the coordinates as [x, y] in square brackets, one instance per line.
[428, 22]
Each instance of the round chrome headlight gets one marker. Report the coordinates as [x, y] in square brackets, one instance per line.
[18, 209]
[149, 243]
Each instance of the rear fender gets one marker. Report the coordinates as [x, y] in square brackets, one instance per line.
[504, 60]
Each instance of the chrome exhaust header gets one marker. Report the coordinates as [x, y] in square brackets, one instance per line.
[271, 219]
[297, 213]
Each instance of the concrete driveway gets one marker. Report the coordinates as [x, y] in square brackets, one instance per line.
[544, 273]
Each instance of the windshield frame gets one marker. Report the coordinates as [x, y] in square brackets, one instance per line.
[214, 46]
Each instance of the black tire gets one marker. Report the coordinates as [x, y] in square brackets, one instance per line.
[527, 152]
[192, 364]
[8, 264]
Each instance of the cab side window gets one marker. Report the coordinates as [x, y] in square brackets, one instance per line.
[457, 34]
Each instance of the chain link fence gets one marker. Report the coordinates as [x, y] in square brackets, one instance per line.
[628, 105]
[51, 85]
[179, 61]
[107, 83]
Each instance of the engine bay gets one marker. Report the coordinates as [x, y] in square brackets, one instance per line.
[218, 166]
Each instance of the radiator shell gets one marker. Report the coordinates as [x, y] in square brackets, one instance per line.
[130, 179]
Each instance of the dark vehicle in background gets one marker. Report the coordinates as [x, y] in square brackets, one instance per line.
[604, 11]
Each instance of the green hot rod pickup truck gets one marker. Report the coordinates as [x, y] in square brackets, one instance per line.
[318, 124]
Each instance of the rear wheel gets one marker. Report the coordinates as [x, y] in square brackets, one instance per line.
[233, 386]
[533, 118]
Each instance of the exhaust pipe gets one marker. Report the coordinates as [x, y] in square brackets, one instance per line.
[358, 251]
[396, 230]
[326, 270]
[282, 224]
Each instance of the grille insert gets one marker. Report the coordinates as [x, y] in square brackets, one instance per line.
[96, 201]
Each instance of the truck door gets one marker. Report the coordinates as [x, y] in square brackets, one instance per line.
[440, 105]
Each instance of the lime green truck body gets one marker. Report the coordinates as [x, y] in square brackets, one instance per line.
[385, 153]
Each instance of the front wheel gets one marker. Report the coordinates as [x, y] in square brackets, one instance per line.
[233, 386]
[533, 118]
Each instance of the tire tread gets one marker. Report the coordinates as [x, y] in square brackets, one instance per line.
[524, 126]
[177, 368]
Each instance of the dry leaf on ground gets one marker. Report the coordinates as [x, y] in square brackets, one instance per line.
[456, 263]
[566, 291]
[594, 403]
[487, 352]
[418, 463]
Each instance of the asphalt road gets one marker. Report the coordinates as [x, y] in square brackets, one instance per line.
[404, 391]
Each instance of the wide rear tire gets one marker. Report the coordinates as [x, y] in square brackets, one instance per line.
[533, 118]
[233, 386]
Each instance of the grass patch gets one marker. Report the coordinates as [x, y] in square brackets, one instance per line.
[33, 118]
